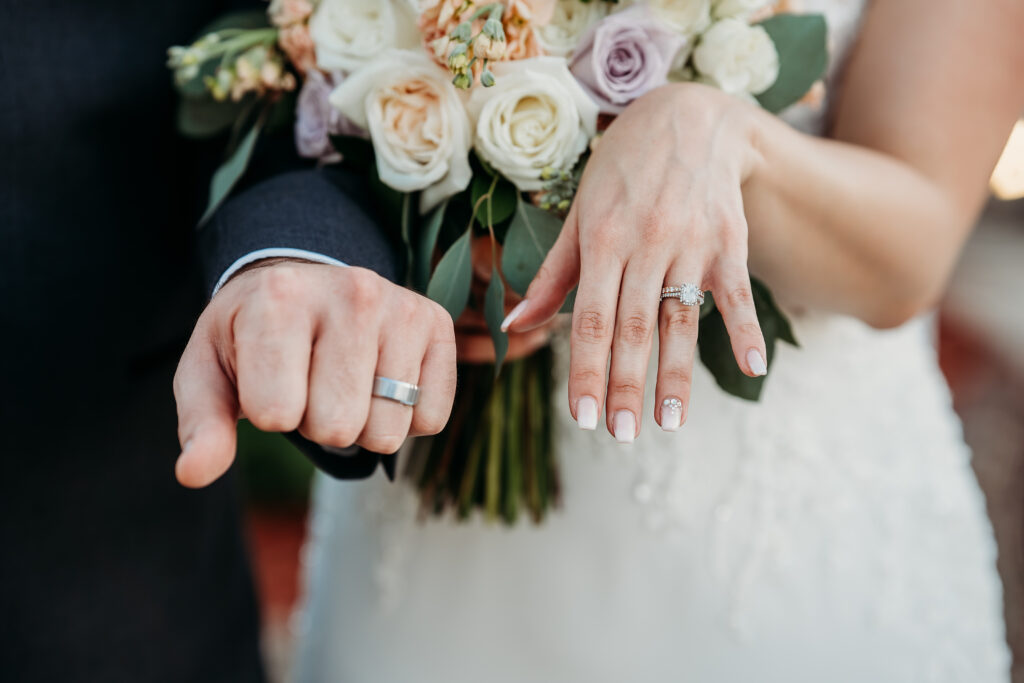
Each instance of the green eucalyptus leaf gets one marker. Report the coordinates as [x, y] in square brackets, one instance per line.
[425, 246]
[716, 355]
[205, 117]
[409, 214]
[500, 205]
[231, 171]
[530, 237]
[716, 347]
[801, 41]
[449, 286]
[494, 313]
[244, 19]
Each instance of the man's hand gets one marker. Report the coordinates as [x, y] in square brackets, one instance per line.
[296, 346]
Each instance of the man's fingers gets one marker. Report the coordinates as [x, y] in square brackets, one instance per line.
[437, 380]
[340, 382]
[557, 276]
[273, 339]
[400, 358]
[207, 415]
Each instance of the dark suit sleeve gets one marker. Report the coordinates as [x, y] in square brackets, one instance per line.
[319, 210]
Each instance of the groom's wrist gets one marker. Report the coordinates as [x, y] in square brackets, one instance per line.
[263, 258]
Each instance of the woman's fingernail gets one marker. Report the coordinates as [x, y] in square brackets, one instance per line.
[756, 362]
[513, 314]
[625, 426]
[671, 414]
[586, 413]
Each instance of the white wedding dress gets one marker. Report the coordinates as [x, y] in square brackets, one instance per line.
[832, 532]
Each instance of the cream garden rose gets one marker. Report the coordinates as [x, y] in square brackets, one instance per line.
[535, 117]
[350, 33]
[688, 17]
[738, 8]
[570, 20]
[416, 120]
[738, 58]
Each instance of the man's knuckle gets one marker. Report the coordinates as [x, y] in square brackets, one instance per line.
[281, 284]
[362, 288]
[383, 443]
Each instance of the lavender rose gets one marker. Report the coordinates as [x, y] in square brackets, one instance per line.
[624, 56]
[316, 120]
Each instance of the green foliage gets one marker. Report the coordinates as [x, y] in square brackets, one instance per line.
[494, 313]
[450, 283]
[356, 152]
[716, 348]
[801, 41]
[530, 237]
[500, 203]
[426, 242]
[205, 117]
[232, 170]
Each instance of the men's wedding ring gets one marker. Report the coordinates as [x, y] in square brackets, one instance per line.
[395, 390]
[688, 294]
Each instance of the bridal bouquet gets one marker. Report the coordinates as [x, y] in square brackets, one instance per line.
[474, 121]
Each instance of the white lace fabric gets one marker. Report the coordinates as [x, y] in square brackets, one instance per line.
[832, 532]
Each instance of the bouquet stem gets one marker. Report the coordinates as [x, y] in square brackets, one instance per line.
[496, 455]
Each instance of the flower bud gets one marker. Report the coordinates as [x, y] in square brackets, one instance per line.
[458, 59]
[486, 78]
[488, 48]
[463, 32]
[462, 81]
[493, 29]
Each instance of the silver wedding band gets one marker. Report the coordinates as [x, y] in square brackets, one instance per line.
[687, 293]
[396, 390]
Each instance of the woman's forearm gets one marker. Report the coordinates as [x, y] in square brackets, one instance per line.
[845, 228]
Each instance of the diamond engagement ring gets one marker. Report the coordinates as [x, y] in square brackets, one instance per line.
[395, 390]
[688, 294]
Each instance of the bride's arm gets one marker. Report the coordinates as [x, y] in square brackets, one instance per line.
[867, 224]
[871, 223]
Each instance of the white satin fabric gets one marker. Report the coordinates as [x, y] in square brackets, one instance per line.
[832, 532]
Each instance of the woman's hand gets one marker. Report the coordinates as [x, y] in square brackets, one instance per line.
[659, 204]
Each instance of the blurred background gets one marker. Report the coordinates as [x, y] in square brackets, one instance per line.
[981, 345]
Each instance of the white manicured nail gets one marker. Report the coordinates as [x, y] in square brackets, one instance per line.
[513, 314]
[586, 413]
[756, 362]
[625, 426]
[671, 414]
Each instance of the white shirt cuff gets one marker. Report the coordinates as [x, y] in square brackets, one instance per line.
[273, 252]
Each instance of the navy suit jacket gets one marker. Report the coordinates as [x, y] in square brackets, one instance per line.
[110, 570]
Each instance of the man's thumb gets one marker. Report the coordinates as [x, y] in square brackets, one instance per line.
[207, 417]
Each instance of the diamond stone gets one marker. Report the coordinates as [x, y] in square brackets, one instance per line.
[689, 294]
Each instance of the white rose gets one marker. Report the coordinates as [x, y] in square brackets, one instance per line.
[416, 120]
[536, 116]
[570, 21]
[349, 33]
[688, 17]
[738, 8]
[737, 57]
